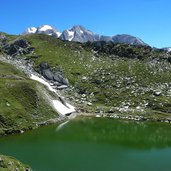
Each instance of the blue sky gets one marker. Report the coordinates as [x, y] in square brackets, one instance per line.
[148, 19]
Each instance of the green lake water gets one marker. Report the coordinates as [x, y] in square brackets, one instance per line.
[94, 144]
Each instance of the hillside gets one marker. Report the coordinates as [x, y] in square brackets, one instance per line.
[23, 106]
[117, 80]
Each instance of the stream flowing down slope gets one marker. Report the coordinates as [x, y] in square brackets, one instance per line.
[60, 106]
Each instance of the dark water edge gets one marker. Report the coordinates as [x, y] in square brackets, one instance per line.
[86, 144]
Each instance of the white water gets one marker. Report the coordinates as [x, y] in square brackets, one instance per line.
[61, 108]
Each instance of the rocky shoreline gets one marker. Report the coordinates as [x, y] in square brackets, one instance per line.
[10, 163]
[125, 117]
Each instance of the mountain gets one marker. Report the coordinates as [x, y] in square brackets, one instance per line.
[168, 49]
[44, 29]
[30, 30]
[79, 33]
[124, 38]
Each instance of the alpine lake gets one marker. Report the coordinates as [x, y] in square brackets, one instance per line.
[93, 144]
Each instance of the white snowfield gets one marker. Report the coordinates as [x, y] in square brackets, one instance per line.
[48, 27]
[61, 108]
[45, 27]
[40, 80]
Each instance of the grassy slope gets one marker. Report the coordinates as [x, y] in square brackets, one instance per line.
[68, 56]
[110, 80]
[10, 163]
[22, 105]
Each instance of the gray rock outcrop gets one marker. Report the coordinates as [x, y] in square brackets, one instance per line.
[18, 47]
[56, 77]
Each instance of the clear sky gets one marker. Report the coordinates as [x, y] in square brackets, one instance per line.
[149, 20]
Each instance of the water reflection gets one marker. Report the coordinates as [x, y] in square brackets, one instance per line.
[94, 144]
[131, 134]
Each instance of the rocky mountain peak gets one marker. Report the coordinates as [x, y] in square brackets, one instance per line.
[81, 30]
[79, 33]
[128, 39]
[48, 30]
[78, 27]
[30, 30]
[44, 29]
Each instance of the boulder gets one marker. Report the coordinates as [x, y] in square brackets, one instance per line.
[44, 65]
[47, 73]
[62, 87]
[57, 77]
[157, 93]
[65, 81]
[57, 84]
[60, 79]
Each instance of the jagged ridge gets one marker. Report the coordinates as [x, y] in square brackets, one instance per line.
[80, 34]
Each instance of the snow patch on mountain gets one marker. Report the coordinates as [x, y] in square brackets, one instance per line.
[45, 28]
[58, 33]
[70, 34]
[62, 108]
[169, 49]
[30, 30]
